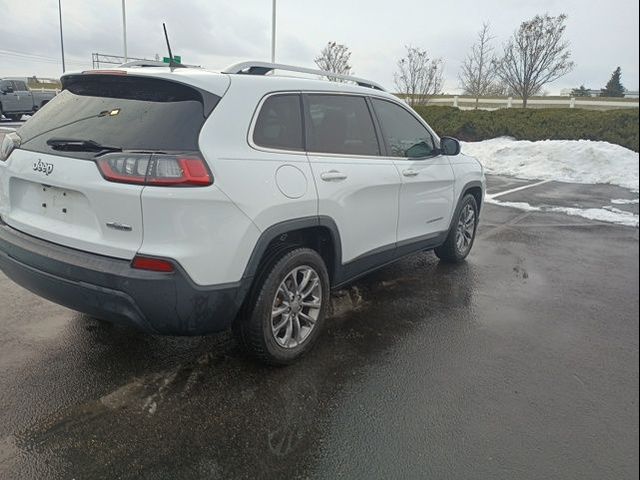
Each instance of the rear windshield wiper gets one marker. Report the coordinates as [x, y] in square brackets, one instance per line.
[74, 145]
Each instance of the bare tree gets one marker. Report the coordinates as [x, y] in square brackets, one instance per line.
[419, 76]
[478, 69]
[335, 57]
[500, 89]
[536, 55]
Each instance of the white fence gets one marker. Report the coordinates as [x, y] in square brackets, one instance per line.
[485, 103]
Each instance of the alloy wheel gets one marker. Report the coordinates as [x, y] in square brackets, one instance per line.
[296, 307]
[465, 229]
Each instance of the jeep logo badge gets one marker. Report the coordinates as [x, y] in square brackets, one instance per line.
[43, 167]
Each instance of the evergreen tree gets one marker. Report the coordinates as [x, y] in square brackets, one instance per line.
[580, 92]
[614, 87]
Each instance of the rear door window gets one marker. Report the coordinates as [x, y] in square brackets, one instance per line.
[19, 86]
[131, 113]
[279, 123]
[340, 124]
[404, 135]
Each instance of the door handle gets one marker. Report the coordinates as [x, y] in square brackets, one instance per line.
[332, 175]
[410, 172]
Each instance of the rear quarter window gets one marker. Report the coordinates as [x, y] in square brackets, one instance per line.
[279, 123]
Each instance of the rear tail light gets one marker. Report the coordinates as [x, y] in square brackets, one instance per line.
[152, 264]
[10, 142]
[157, 169]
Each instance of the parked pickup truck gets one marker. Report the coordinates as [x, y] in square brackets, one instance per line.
[16, 99]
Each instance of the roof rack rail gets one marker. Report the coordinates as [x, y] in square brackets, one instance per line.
[262, 68]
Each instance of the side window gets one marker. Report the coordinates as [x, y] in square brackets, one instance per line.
[279, 123]
[5, 84]
[341, 124]
[19, 86]
[404, 134]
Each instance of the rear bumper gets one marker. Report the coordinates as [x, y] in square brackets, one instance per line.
[108, 288]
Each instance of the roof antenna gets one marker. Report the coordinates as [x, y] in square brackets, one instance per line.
[172, 63]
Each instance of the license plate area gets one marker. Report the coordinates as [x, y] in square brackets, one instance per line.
[55, 202]
[50, 202]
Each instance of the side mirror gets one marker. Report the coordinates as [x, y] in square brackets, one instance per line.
[449, 146]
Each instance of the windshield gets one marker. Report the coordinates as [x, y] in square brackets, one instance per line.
[131, 113]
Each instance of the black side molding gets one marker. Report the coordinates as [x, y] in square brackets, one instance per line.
[342, 273]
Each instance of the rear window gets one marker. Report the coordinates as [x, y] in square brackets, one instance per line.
[132, 113]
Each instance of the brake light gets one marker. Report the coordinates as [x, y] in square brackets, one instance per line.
[160, 170]
[152, 264]
[104, 72]
[172, 170]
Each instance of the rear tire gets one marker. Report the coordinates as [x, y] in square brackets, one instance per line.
[462, 234]
[285, 312]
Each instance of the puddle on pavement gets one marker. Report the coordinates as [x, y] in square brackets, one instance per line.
[220, 415]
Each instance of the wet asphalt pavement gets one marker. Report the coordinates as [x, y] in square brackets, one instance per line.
[520, 363]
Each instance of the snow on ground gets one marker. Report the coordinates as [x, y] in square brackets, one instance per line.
[604, 214]
[625, 201]
[572, 161]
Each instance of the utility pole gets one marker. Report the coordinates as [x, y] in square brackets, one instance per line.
[273, 33]
[61, 39]
[124, 30]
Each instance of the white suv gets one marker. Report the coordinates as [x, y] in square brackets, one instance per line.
[183, 201]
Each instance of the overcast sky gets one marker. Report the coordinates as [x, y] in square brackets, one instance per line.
[215, 33]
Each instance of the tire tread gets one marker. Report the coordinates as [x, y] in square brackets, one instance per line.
[447, 252]
[248, 327]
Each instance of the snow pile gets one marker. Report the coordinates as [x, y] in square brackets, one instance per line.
[574, 161]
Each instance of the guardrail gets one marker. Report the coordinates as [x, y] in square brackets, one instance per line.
[42, 89]
[495, 103]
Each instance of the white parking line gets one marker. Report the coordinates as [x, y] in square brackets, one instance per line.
[517, 189]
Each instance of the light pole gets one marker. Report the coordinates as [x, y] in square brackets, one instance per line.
[61, 39]
[124, 30]
[273, 33]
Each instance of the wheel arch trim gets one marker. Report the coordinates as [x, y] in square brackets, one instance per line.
[468, 186]
[281, 228]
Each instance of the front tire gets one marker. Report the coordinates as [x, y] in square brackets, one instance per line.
[15, 117]
[286, 312]
[462, 234]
